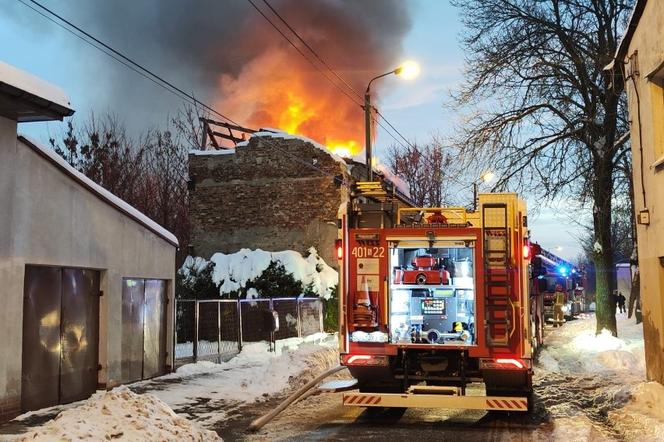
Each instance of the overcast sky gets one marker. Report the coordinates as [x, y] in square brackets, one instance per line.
[32, 43]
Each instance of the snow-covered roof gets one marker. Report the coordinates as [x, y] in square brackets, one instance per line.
[50, 102]
[264, 134]
[103, 194]
[212, 152]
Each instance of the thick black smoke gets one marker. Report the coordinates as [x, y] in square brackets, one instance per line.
[196, 43]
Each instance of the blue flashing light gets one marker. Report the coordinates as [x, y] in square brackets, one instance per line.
[573, 270]
[562, 270]
[540, 277]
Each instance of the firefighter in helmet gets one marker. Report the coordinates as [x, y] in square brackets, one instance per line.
[559, 298]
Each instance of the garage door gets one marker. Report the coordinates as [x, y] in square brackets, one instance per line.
[143, 328]
[60, 335]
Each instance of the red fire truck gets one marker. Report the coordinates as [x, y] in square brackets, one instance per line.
[431, 342]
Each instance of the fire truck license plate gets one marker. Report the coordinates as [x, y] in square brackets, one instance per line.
[367, 266]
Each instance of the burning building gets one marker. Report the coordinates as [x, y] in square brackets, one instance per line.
[273, 192]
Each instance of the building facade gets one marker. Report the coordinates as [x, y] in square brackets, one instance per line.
[640, 59]
[86, 281]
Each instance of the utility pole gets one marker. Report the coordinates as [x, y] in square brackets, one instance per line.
[367, 140]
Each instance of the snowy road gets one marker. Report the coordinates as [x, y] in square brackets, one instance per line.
[587, 388]
[582, 382]
[323, 418]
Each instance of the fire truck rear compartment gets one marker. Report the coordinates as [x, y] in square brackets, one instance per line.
[432, 296]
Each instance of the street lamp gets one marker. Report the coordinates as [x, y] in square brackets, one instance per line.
[408, 70]
[486, 177]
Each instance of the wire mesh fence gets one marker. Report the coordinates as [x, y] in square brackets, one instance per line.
[215, 329]
[311, 316]
[254, 328]
[288, 318]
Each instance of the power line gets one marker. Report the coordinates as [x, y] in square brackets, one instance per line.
[395, 130]
[148, 74]
[129, 60]
[407, 144]
[328, 67]
[318, 57]
[302, 53]
[167, 85]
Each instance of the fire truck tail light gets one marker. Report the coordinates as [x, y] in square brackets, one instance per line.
[526, 252]
[367, 360]
[515, 362]
[340, 248]
[505, 364]
[355, 358]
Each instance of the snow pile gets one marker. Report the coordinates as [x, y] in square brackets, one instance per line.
[233, 271]
[192, 267]
[642, 418]
[254, 375]
[120, 415]
[575, 348]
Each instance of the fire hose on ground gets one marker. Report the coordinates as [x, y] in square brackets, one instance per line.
[261, 421]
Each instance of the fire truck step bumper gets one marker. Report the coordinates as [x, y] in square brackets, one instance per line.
[498, 403]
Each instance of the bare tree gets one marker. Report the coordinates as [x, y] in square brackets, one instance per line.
[546, 114]
[426, 169]
[103, 152]
[150, 172]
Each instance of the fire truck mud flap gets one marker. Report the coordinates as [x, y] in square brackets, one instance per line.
[489, 403]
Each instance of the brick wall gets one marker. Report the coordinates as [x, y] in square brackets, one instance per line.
[266, 195]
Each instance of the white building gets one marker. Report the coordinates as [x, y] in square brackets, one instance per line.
[86, 280]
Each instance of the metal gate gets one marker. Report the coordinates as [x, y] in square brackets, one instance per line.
[60, 335]
[143, 346]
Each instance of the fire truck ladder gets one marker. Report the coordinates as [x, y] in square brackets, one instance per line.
[498, 307]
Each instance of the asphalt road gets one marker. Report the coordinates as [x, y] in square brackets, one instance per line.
[567, 407]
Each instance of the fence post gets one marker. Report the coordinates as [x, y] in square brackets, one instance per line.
[273, 344]
[299, 317]
[175, 332]
[196, 313]
[219, 331]
[239, 324]
[320, 314]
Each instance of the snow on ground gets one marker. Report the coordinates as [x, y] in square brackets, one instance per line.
[583, 377]
[119, 414]
[575, 348]
[642, 418]
[255, 374]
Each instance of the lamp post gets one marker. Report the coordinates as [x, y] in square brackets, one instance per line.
[407, 70]
[486, 177]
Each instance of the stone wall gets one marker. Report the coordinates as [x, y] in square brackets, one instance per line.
[272, 193]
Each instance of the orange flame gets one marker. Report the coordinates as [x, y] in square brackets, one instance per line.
[297, 101]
